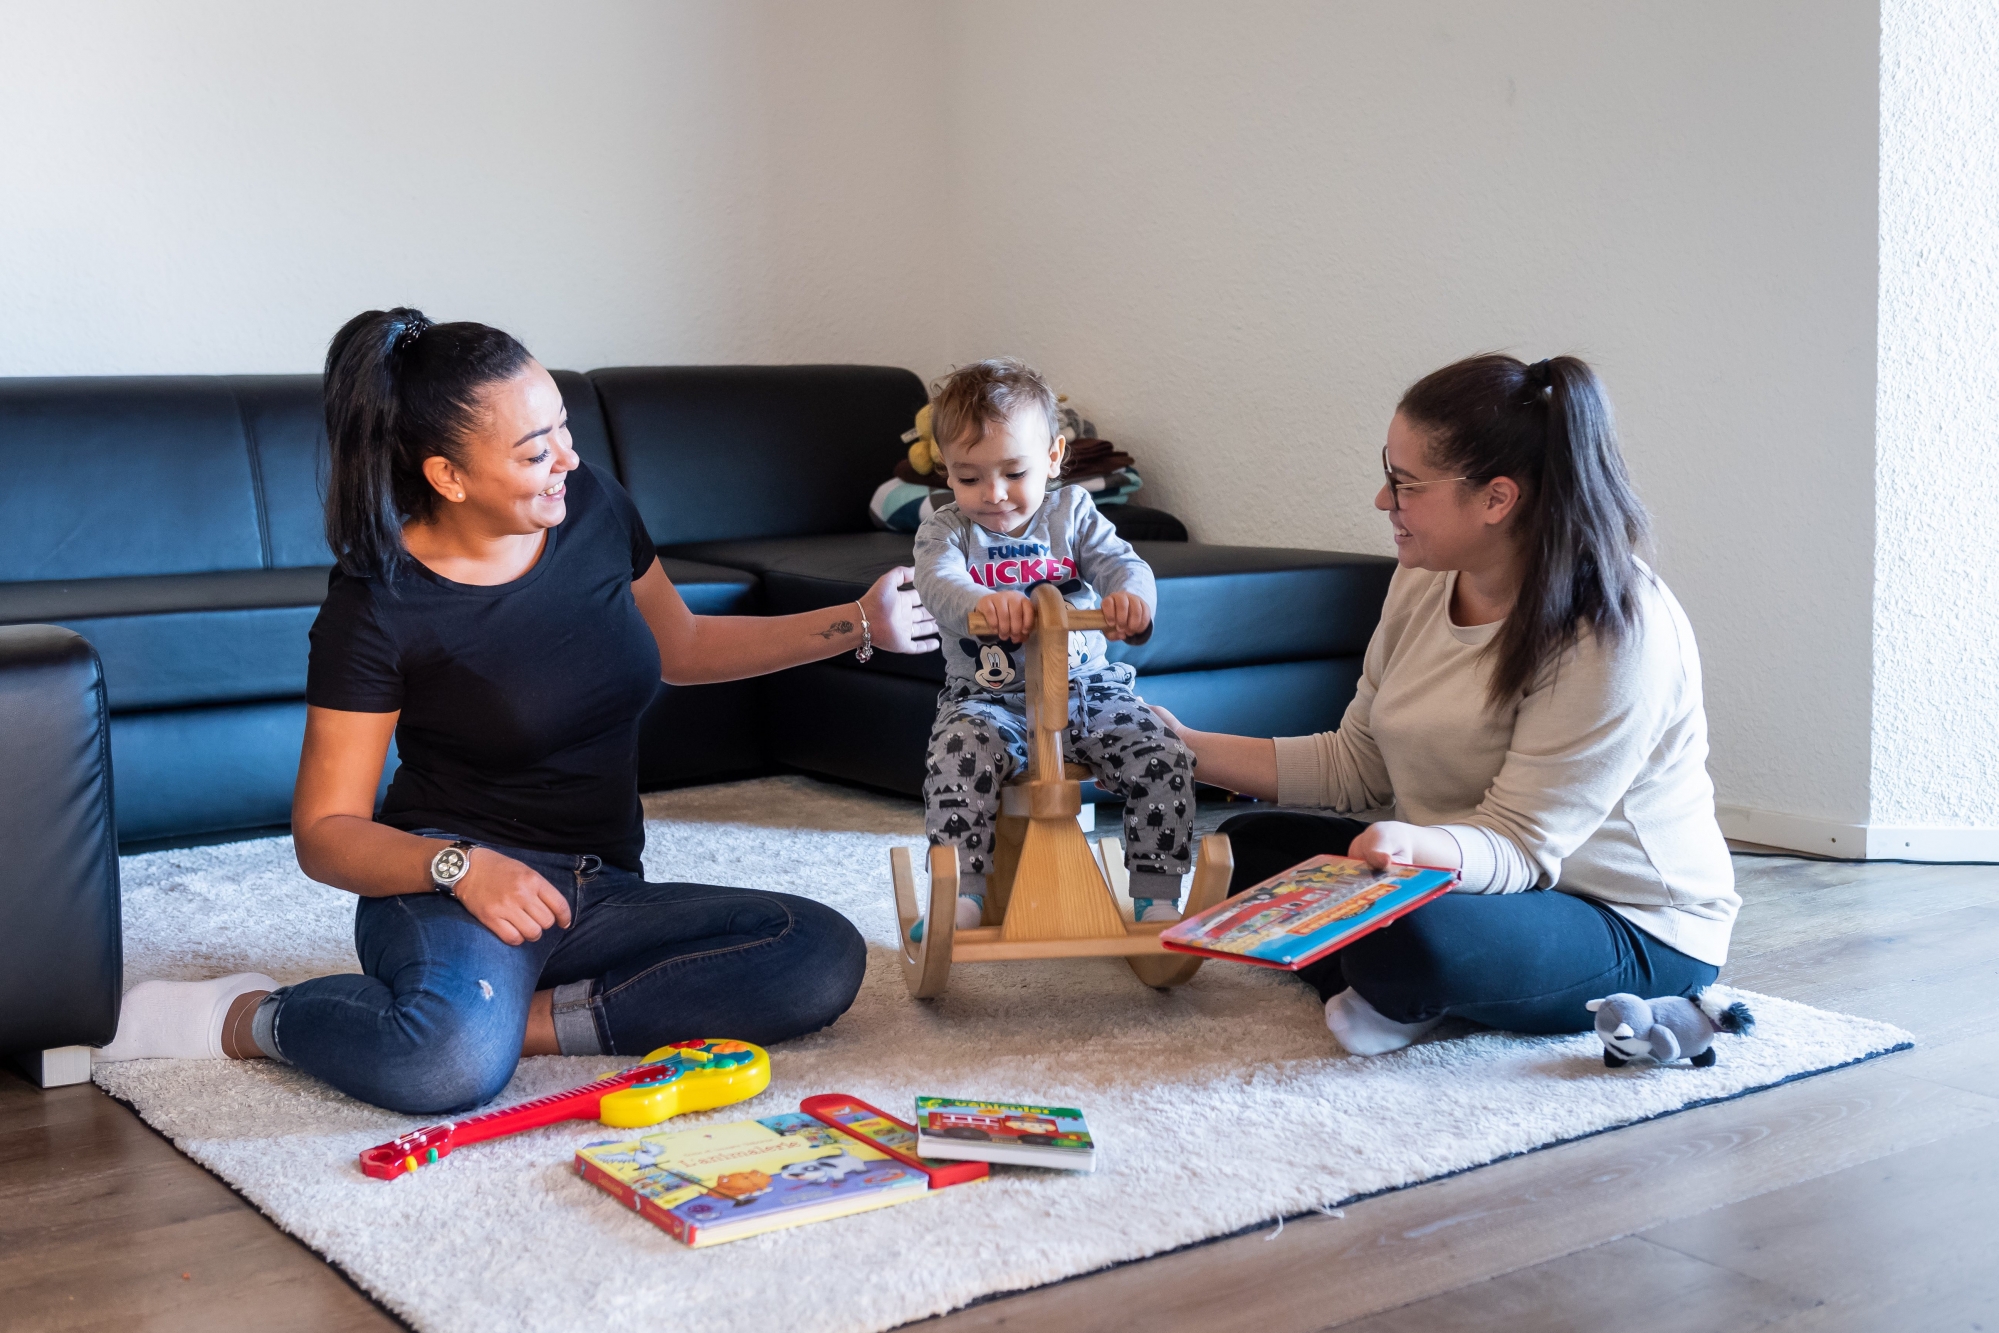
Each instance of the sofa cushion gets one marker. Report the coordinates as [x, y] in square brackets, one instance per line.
[1225, 606]
[1219, 606]
[109, 477]
[184, 638]
[286, 425]
[712, 590]
[712, 452]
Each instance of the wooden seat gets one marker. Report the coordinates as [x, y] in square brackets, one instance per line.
[1047, 896]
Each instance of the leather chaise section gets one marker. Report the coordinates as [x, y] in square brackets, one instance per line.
[61, 956]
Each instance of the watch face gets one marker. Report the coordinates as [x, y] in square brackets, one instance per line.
[449, 866]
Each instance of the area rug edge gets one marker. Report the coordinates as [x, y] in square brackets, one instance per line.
[1907, 1044]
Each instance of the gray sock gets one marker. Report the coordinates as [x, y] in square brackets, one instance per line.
[1156, 886]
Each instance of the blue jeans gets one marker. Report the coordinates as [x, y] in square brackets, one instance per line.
[1523, 962]
[434, 1023]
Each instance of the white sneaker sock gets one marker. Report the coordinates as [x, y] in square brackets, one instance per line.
[177, 1020]
[1363, 1030]
[971, 910]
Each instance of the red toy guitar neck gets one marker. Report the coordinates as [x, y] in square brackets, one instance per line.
[682, 1076]
[420, 1147]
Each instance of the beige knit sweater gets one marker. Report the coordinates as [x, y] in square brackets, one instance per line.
[1595, 782]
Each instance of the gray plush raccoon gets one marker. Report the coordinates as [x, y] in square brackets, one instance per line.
[1666, 1029]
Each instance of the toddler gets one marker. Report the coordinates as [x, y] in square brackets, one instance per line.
[994, 423]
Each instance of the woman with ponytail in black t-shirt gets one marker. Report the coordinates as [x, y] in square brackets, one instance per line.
[498, 609]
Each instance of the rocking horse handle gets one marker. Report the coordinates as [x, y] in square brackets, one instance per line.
[1075, 619]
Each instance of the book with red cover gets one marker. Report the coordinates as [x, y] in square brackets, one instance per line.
[1301, 915]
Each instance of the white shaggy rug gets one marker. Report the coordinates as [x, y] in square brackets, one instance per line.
[1219, 1106]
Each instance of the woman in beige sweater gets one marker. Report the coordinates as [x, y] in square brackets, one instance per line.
[1529, 714]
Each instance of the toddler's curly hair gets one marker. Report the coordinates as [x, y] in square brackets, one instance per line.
[986, 393]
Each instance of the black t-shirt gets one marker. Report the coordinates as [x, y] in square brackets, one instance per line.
[520, 703]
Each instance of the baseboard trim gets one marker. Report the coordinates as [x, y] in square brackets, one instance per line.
[1857, 842]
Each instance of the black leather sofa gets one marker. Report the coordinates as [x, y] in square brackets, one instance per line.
[174, 523]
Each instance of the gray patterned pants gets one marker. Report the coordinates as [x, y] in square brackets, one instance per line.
[980, 741]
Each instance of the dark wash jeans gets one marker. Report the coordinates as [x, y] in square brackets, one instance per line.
[435, 1021]
[1524, 962]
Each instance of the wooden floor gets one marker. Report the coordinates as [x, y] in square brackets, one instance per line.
[1866, 1199]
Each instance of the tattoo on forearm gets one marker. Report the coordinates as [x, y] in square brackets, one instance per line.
[836, 629]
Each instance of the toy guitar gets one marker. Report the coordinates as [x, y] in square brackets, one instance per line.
[686, 1076]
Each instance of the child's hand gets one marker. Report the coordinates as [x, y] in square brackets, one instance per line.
[1125, 615]
[1008, 614]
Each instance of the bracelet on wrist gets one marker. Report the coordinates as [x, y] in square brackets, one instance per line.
[867, 648]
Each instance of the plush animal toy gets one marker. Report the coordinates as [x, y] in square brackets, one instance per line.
[1665, 1030]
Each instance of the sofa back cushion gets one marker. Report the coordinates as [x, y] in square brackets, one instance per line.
[285, 423]
[713, 452]
[115, 476]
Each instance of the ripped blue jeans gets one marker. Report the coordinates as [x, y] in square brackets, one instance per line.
[433, 1023]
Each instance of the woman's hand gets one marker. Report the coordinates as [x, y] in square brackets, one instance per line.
[1392, 842]
[1125, 616]
[897, 619]
[1388, 842]
[509, 899]
[1175, 725]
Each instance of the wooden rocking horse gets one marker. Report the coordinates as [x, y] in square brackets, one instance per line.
[1047, 896]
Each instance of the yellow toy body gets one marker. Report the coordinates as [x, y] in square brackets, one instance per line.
[695, 1076]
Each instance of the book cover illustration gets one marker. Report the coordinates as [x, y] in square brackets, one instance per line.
[724, 1182]
[958, 1127]
[1305, 912]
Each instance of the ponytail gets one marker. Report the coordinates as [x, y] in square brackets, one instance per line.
[1579, 525]
[399, 389]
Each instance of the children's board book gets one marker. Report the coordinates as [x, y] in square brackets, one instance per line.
[1306, 912]
[964, 1130]
[725, 1182]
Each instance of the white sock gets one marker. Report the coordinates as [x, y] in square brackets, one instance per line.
[971, 910]
[177, 1020]
[1363, 1030]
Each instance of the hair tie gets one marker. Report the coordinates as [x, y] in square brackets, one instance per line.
[413, 328]
[1541, 378]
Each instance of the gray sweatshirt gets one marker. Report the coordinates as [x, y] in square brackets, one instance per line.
[958, 562]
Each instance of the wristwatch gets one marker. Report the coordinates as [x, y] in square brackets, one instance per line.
[449, 866]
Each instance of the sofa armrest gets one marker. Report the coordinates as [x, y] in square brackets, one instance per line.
[61, 951]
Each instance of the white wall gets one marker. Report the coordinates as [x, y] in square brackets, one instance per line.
[1236, 234]
[216, 187]
[1936, 613]
[1233, 233]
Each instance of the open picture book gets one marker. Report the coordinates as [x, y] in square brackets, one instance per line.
[1301, 915]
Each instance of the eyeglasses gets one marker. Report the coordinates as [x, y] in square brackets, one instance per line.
[1395, 488]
